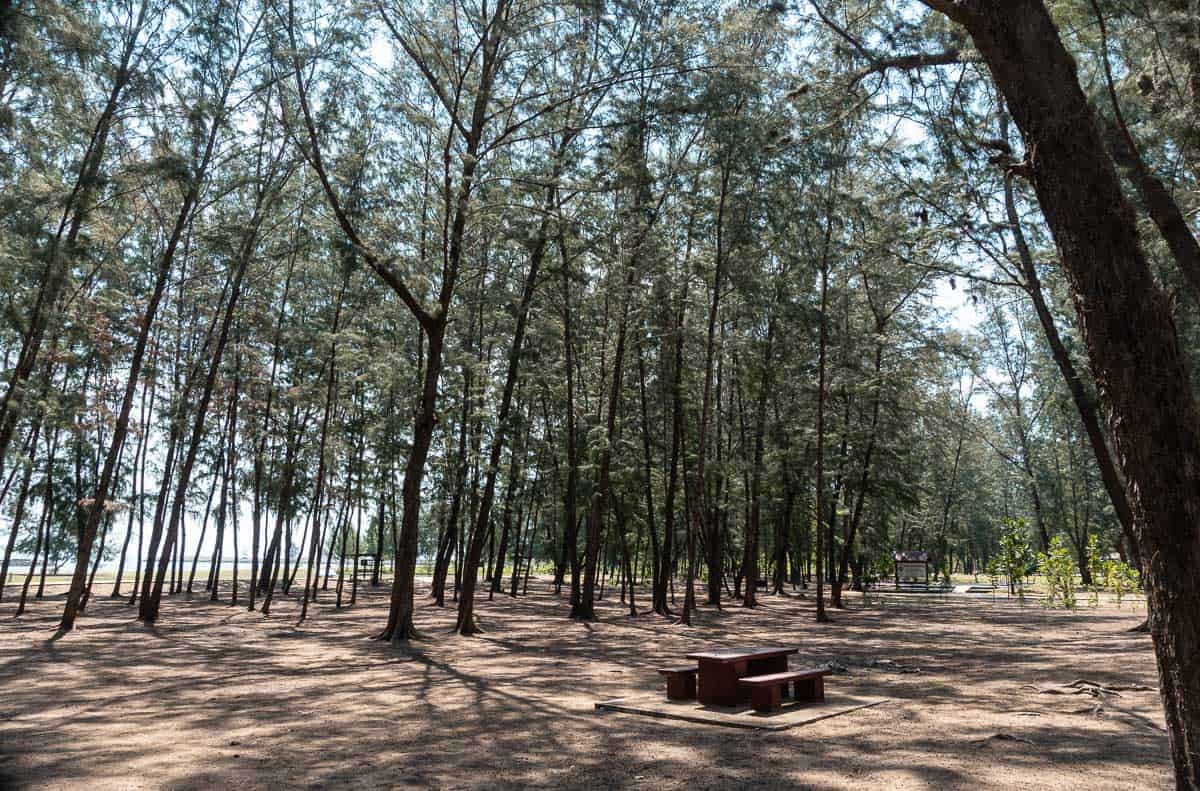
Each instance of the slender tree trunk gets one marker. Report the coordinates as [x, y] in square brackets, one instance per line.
[600, 496]
[466, 602]
[750, 555]
[658, 587]
[700, 489]
[22, 498]
[822, 397]
[860, 495]
[255, 585]
[39, 547]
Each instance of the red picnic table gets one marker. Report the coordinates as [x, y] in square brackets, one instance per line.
[720, 669]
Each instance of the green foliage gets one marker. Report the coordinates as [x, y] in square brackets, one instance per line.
[1015, 555]
[994, 575]
[1120, 578]
[1058, 567]
[1095, 568]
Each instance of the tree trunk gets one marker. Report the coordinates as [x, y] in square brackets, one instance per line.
[750, 553]
[596, 512]
[314, 551]
[1128, 328]
[466, 602]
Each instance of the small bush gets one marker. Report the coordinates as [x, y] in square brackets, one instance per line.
[1015, 555]
[1059, 568]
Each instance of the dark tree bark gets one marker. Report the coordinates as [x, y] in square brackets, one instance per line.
[600, 494]
[658, 552]
[441, 567]
[264, 429]
[152, 594]
[700, 506]
[399, 625]
[1128, 329]
[822, 397]
[570, 545]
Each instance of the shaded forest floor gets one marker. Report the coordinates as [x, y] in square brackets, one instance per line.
[216, 697]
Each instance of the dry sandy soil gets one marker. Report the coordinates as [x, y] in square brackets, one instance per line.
[217, 698]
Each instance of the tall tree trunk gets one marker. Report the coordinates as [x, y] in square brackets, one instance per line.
[445, 549]
[750, 553]
[137, 480]
[399, 625]
[658, 569]
[1128, 328]
[860, 494]
[265, 426]
[318, 504]
[600, 495]
[570, 545]
[151, 595]
[149, 610]
[466, 602]
[822, 397]
[700, 488]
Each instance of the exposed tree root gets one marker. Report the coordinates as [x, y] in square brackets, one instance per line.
[1082, 686]
[1002, 737]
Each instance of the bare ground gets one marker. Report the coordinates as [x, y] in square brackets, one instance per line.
[217, 697]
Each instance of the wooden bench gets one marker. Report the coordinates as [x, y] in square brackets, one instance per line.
[681, 682]
[765, 690]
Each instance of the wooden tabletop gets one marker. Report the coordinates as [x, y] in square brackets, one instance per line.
[742, 654]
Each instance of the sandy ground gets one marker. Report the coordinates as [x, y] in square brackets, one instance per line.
[217, 697]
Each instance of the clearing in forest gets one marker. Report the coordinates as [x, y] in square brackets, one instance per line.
[981, 694]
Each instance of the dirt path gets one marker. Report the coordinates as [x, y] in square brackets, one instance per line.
[216, 698]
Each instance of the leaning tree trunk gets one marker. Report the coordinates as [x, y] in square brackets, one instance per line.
[1127, 326]
[149, 611]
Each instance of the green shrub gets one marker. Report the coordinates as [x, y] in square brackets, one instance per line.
[1015, 555]
[993, 573]
[1059, 568]
[1120, 578]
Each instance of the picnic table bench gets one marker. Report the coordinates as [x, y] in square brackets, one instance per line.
[766, 690]
[681, 682]
[733, 676]
[720, 669]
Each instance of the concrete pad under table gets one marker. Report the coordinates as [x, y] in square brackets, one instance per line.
[791, 715]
